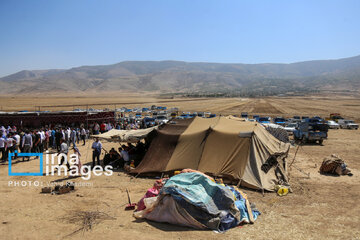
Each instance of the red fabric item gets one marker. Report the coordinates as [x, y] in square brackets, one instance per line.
[151, 192]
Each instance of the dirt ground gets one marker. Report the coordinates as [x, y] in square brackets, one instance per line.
[320, 207]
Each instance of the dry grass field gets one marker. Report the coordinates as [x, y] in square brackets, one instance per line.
[320, 207]
[273, 106]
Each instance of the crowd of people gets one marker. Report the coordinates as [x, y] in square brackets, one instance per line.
[38, 140]
[61, 139]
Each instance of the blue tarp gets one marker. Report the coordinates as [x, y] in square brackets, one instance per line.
[208, 202]
[191, 199]
[241, 205]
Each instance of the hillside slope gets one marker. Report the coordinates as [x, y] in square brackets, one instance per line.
[177, 76]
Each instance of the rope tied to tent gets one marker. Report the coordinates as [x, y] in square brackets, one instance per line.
[293, 161]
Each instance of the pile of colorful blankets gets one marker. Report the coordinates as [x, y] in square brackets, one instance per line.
[193, 199]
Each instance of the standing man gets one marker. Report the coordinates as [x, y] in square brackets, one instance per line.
[77, 135]
[103, 127]
[64, 149]
[83, 135]
[3, 132]
[53, 142]
[37, 141]
[2, 147]
[42, 140]
[73, 137]
[96, 146]
[9, 145]
[17, 143]
[58, 138]
[67, 136]
[47, 139]
[63, 134]
[27, 143]
[96, 129]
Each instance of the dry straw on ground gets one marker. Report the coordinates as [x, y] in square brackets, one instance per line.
[86, 220]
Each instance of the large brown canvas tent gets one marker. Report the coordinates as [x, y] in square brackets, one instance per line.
[242, 152]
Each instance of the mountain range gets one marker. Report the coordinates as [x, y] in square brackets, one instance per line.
[191, 77]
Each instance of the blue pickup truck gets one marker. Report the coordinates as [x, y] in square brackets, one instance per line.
[149, 122]
[311, 131]
[280, 121]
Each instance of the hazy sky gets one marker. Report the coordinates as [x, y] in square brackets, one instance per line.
[63, 34]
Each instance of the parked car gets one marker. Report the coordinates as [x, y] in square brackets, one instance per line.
[206, 114]
[290, 128]
[311, 130]
[148, 122]
[319, 118]
[244, 115]
[200, 114]
[162, 112]
[161, 119]
[184, 116]
[280, 121]
[293, 120]
[264, 120]
[349, 124]
[335, 117]
[333, 125]
[314, 120]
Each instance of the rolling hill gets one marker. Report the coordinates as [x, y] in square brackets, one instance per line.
[188, 77]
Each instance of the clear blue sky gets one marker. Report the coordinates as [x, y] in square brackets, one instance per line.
[68, 33]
